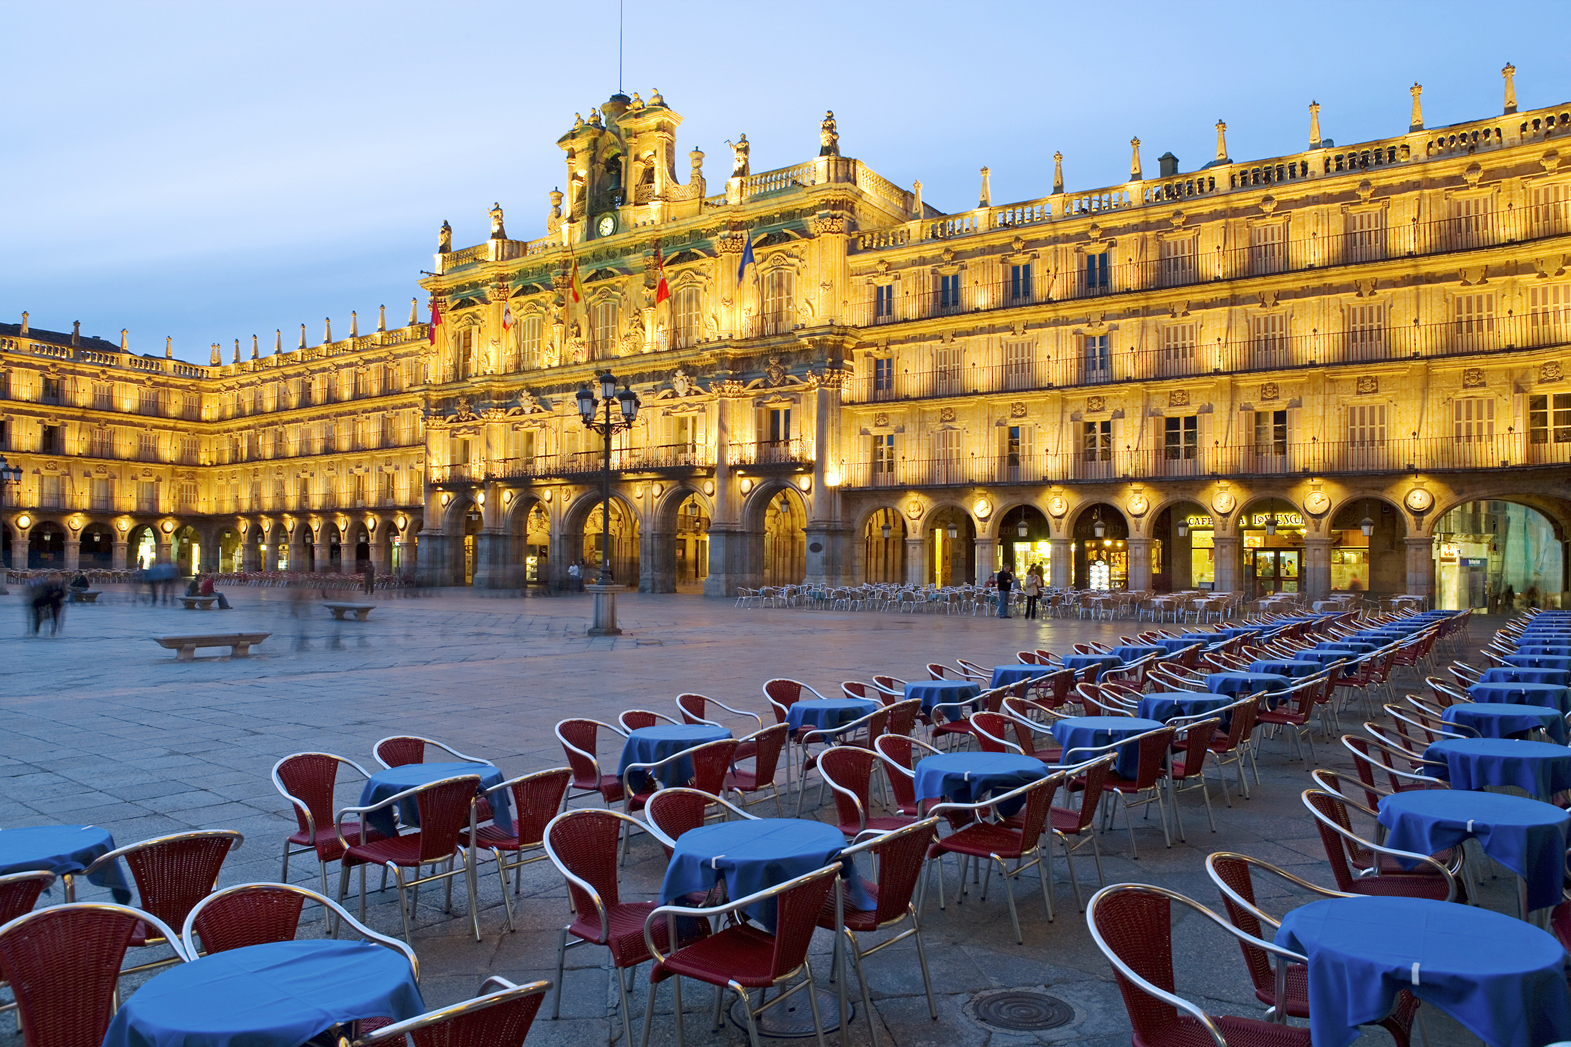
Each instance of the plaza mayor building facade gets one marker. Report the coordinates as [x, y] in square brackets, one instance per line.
[1345, 368]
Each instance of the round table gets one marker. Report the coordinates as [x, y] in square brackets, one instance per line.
[394, 780]
[1560, 650]
[1232, 683]
[1505, 720]
[1350, 646]
[1090, 732]
[1538, 661]
[1167, 705]
[1103, 662]
[1526, 836]
[752, 855]
[942, 692]
[1008, 674]
[971, 777]
[64, 850]
[1513, 674]
[275, 995]
[1540, 769]
[827, 713]
[653, 744]
[1502, 978]
[1547, 695]
[1295, 668]
[1131, 652]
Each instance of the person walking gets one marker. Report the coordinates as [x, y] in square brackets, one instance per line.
[1032, 589]
[1006, 581]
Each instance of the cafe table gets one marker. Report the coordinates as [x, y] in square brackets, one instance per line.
[941, 692]
[1173, 644]
[280, 994]
[1296, 668]
[1540, 769]
[973, 777]
[393, 780]
[1550, 696]
[1232, 683]
[1558, 650]
[1515, 674]
[1004, 675]
[1094, 732]
[1505, 720]
[1502, 978]
[826, 714]
[1163, 706]
[1538, 661]
[1103, 661]
[1130, 652]
[64, 850]
[1526, 836]
[754, 854]
[1349, 646]
[653, 744]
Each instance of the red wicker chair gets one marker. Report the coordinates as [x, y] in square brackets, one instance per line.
[1150, 775]
[743, 957]
[1132, 925]
[500, 1018]
[258, 913]
[1344, 848]
[582, 845]
[1297, 705]
[695, 710]
[447, 807]
[672, 812]
[1188, 764]
[578, 738]
[899, 856]
[537, 798]
[637, 719]
[858, 734]
[1090, 780]
[991, 731]
[1231, 873]
[172, 874]
[19, 892]
[899, 754]
[781, 694]
[940, 671]
[903, 715]
[849, 772]
[308, 782]
[403, 749]
[1237, 743]
[765, 748]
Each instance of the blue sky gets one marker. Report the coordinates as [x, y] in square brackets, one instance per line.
[211, 171]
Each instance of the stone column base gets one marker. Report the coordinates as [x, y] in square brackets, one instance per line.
[604, 621]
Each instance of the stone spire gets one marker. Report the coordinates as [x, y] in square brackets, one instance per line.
[213, 357]
[1134, 160]
[302, 336]
[987, 189]
[24, 322]
[1509, 72]
[354, 324]
[1314, 125]
[256, 349]
[76, 332]
[237, 350]
[169, 347]
[278, 341]
[381, 318]
[1417, 121]
[327, 330]
[1221, 142]
[916, 199]
[123, 337]
[414, 304]
[1058, 172]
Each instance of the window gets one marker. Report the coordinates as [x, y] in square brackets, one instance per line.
[191, 409]
[147, 447]
[884, 301]
[51, 392]
[684, 434]
[188, 450]
[1366, 236]
[50, 440]
[779, 307]
[256, 400]
[187, 497]
[1548, 312]
[529, 343]
[1181, 438]
[1270, 433]
[254, 499]
[1176, 261]
[329, 438]
[307, 391]
[1013, 449]
[1096, 272]
[949, 291]
[357, 489]
[103, 396]
[1268, 248]
[1097, 441]
[303, 493]
[101, 443]
[459, 452]
[102, 496]
[1178, 349]
[1474, 321]
[777, 425]
[51, 491]
[1097, 357]
[463, 353]
[602, 329]
[1472, 222]
[883, 377]
[147, 401]
[687, 322]
[1549, 418]
[147, 496]
[384, 488]
[387, 436]
[1366, 331]
[946, 454]
[1268, 340]
[1019, 365]
[1366, 425]
[1020, 283]
[1473, 418]
[947, 367]
[390, 383]
[1546, 209]
[884, 455]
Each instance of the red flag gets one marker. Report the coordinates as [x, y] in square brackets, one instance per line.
[662, 292]
[436, 320]
[507, 317]
[575, 285]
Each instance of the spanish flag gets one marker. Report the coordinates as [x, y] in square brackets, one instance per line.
[662, 292]
[575, 285]
[436, 320]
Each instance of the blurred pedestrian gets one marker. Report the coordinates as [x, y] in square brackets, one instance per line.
[206, 589]
[369, 574]
[46, 599]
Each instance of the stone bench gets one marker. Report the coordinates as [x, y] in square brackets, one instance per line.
[84, 595]
[239, 644]
[198, 603]
[362, 610]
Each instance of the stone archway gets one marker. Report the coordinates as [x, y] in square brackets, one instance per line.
[1183, 547]
[1374, 564]
[884, 547]
[1100, 537]
[46, 547]
[1500, 554]
[783, 522]
[97, 549]
[187, 550]
[586, 545]
[951, 547]
[1023, 541]
[1271, 547]
[141, 547]
[675, 555]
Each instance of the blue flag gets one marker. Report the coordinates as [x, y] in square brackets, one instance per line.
[747, 259]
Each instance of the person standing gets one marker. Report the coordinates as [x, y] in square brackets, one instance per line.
[1032, 589]
[369, 577]
[1006, 582]
[573, 581]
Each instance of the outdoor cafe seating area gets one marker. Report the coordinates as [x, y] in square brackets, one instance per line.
[854, 815]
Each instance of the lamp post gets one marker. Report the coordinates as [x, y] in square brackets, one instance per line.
[620, 411]
[10, 476]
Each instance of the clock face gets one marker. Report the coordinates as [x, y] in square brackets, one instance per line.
[1419, 499]
[1317, 502]
[606, 225]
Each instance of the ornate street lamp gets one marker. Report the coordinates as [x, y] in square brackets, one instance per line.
[620, 411]
[1098, 528]
[1023, 529]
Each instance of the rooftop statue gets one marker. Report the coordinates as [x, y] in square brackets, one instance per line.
[497, 232]
[828, 136]
[444, 238]
[739, 151]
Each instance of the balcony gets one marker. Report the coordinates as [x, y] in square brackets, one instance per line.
[790, 454]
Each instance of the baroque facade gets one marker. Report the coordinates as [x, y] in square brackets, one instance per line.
[1329, 370]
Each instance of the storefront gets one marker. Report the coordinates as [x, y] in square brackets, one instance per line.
[1101, 545]
[1199, 532]
[1273, 549]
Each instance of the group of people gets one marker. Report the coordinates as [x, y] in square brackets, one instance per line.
[1004, 580]
[202, 585]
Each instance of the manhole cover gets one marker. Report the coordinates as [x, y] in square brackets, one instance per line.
[794, 1018]
[1018, 1010]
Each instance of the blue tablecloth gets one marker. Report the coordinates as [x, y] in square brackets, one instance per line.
[275, 995]
[1502, 978]
[1505, 720]
[1350, 646]
[1295, 668]
[755, 854]
[1243, 630]
[971, 777]
[1323, 658]
[1557, 650]
[1080, 661]
[1008, 674]
[1549, 695]
[63, 850]
[942, 692]
[1526, 836]
[1538, 661]
[1086, 732]
[1513, 674]
[651, 744]
[1167, 705]
[1539, 769]
[1246, 683]
[1130, 652]
[1173, 644]
[393, 780]
[826, 713]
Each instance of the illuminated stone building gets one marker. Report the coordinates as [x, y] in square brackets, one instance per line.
[1333, 369]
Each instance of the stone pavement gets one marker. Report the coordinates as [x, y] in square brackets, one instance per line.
[100, 725]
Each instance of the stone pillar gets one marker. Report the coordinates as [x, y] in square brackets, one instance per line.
[1420, 566]
[1316, 573]
[295, 541]
[320, 561]
[73, 549]
[1061, 563]
[377, 540]
[249, 559]
[657, 560]
[117, 552]
[727, 543]
[491, 545]
[1226, 563]
[986, 553]
[1139, 564]
[916, 560]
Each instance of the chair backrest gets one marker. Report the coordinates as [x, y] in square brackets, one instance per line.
[1153, 756]
[637, 719]
[174, 872]
[692, 707]
[771, 742]
[849, 771]
[857, 690]
[992, 730]
[1336, 844]
[1196, 741]
[675, 811]
[782, 694]
[399, 751]
[19, 892]
[578, 738]
[1233, 870]
[63, 965]
[892, 684]
[711, 761]
[1095, 783]
[902, 715]
[497, 1019]
[446, 810]
[1038, 805]
[307, 781]
[537, 798]
[940, 671]
[797, 907]
[259, 913]
[897, 752]
[900, 856]
[582, 845]
[1136, 927]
